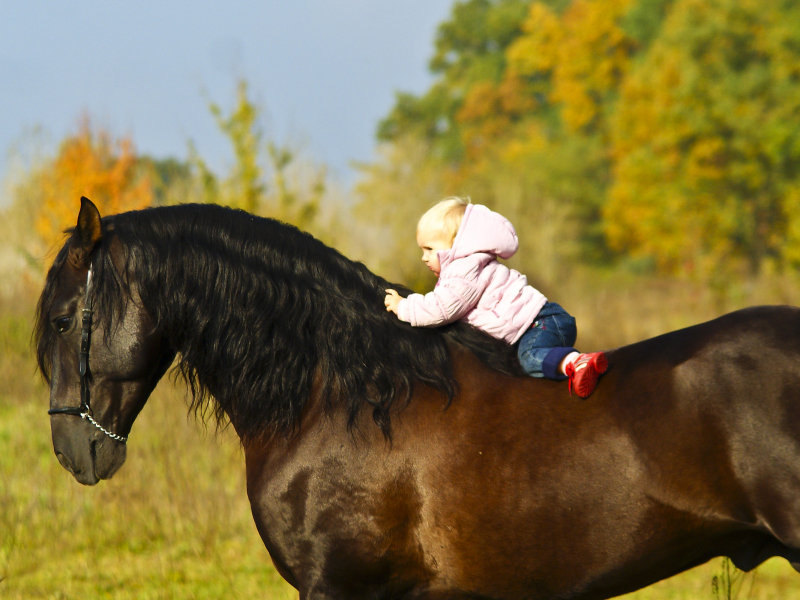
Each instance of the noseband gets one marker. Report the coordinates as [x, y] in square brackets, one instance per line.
[84, 411]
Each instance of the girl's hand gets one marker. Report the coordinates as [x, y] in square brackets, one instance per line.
[391, 301]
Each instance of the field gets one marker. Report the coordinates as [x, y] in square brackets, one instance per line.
[175, 523]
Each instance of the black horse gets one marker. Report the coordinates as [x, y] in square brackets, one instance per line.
[385, 461]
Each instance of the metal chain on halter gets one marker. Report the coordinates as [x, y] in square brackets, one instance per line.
[113, 436]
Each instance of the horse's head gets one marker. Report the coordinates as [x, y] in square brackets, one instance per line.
[100, 376]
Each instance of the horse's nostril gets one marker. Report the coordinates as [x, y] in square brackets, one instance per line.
[65, 462]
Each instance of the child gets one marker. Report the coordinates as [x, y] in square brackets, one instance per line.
[460, 243]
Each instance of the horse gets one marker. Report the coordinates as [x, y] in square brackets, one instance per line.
[390, 462]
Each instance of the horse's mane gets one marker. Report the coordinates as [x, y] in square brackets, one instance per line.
[262, 314]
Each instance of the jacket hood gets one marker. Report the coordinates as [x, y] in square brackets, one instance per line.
[483, 230]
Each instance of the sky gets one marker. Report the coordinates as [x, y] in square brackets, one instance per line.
[323, 72]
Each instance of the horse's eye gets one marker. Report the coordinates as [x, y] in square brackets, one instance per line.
[62, 324]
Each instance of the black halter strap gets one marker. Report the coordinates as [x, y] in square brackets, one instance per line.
[84, 411]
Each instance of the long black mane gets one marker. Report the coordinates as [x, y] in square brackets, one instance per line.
[261, 315]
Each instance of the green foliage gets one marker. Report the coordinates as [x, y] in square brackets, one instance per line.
[245, 185]
[469, 50]
[266, 178]
[172, 180]
[642, 22]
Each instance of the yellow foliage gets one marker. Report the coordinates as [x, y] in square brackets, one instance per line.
[536, 51]
[585, 51]
[792, 242]
[529, 141]
[593, 58]
[89, 164]
[706, 160]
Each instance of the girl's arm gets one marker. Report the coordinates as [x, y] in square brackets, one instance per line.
[451, 300]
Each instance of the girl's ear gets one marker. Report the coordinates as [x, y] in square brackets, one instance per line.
[87, 234]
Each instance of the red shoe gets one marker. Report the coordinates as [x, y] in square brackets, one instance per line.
[584, 372]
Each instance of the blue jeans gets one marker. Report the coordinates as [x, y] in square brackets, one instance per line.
[549, 339]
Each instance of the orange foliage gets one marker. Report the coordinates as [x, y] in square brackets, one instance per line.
[90, 164]
[488, 112]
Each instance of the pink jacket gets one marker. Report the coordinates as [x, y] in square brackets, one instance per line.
[474, 286]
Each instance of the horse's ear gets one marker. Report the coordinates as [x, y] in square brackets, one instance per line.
[87, 233]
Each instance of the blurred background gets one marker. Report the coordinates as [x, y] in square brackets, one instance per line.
[647, 152]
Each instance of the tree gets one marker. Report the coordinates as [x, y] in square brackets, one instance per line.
[706, 148]
[469, 51]
[172, 180]
[584, 52]
[245, 186]
[266, 177]
[90, 163]
[661, 132]
[549, 131]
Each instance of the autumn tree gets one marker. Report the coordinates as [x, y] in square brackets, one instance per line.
[89, 163]
[657, 132]
[582, 52]
[705, 143]
[569, 58]
[445, 141]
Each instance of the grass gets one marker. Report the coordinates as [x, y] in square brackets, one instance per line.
[773, 580]
[175, 523]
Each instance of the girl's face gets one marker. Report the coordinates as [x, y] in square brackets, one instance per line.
[431, 243]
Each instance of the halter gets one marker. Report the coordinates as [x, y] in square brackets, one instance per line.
[84, 411]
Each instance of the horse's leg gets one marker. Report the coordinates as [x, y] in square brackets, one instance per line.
[779, 515]
[764, 454]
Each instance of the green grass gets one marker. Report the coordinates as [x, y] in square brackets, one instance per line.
[175, 523]
[773, 580]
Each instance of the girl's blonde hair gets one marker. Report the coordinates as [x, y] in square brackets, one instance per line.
[444, 217]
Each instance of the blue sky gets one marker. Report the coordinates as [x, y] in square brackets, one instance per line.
[323, 72]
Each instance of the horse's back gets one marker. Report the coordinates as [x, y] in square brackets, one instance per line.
[743, 367]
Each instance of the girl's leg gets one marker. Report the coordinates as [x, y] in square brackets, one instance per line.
[542, 362]
[545, 350]
[549, 340]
